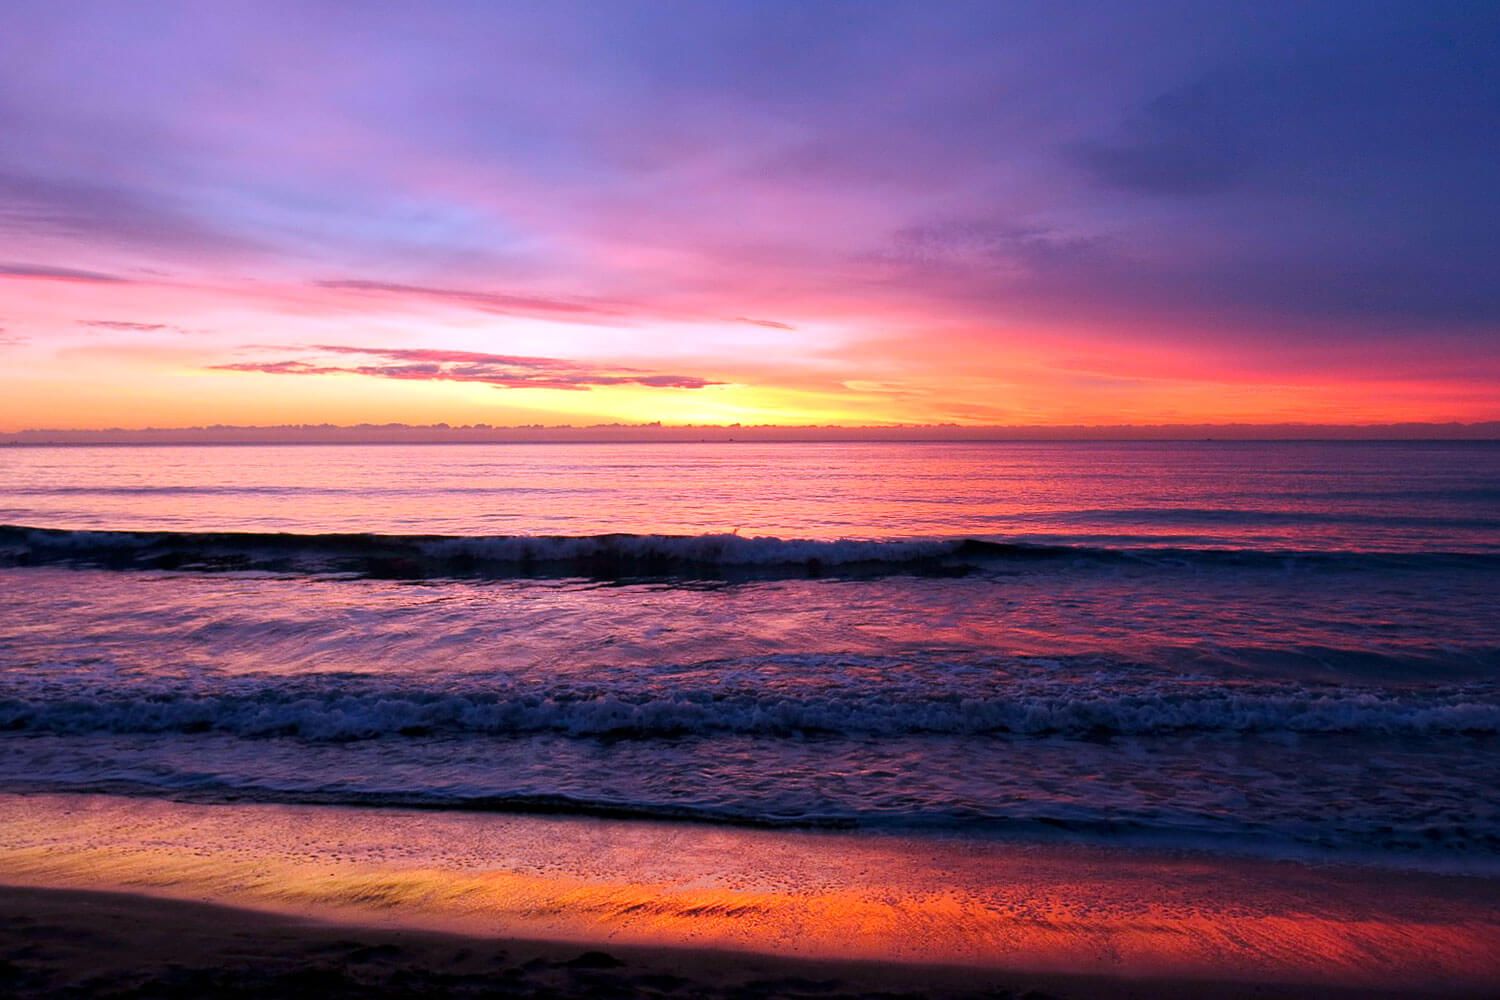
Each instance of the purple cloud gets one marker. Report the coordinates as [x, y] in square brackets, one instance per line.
[421, 354]
[495, 302]
[123, 325]
[502, 371]
[49, 273]
[38, 203]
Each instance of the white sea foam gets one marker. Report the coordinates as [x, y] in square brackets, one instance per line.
[333, 712]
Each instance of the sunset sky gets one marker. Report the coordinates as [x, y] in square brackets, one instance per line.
[856, 213]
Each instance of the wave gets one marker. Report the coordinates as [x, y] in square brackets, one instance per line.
[334, 713]
[631, 556]
[1458, 847]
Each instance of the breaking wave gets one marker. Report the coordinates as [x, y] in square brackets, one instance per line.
[626, 556]
[333, 712]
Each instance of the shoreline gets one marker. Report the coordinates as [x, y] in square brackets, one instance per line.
[62, 942]
[1022, 913]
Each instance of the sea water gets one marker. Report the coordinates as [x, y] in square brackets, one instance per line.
[1289, 649]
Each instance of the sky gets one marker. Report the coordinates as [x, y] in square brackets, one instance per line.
[851, 213]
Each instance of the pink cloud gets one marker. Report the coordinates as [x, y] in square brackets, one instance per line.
[486, 301]
[48, 273]
[501, 371]
[123, 326]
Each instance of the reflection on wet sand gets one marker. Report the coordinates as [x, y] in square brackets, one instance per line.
[812, 895]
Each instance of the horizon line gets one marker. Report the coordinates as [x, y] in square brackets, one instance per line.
[656, 432]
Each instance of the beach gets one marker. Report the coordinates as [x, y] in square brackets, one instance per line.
[61, 943]
[856, 907]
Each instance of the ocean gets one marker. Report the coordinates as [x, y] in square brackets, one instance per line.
[1287, 650]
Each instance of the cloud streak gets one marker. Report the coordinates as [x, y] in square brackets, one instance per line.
[493, 302]
[46, 272]
[124, 326]
[502, 371]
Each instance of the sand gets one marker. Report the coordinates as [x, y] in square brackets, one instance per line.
[71, 943]
[114, 896]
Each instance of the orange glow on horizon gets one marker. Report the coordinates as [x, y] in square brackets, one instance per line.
[70, 373]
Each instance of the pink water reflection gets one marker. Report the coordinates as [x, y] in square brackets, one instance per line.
[1309, 495]
[989, 905]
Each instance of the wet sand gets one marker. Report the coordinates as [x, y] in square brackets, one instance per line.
[70, 943]
[695, 910]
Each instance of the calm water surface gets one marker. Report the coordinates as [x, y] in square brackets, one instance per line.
[1376, 496]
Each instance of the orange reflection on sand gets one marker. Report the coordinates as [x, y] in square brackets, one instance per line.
[837, 896]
